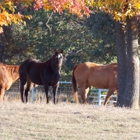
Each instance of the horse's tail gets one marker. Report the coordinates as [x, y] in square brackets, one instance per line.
[23, 69]
[74, 85]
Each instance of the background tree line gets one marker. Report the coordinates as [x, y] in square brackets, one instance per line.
[86, 39]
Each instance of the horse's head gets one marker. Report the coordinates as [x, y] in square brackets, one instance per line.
[58, 59]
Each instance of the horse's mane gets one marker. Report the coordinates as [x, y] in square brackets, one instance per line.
[115, 63]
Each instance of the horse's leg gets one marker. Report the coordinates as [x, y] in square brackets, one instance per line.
[110, 92]
[28, 88]
[23, 80]
[117, 93]
[55, 89]
[2, 91]
[117, 96]
[84, 92]
[22, 89]
[46, 92]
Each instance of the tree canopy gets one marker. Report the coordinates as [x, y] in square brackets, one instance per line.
[119, 9]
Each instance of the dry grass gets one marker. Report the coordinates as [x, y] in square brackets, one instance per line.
[66, 121]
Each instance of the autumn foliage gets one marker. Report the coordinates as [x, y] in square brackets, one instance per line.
[8, 14]
[120, 9]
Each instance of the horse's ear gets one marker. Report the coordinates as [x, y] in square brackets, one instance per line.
[55, 52]
[61, 51]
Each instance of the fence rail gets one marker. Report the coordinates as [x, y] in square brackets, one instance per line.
[95, 96]
[99, 96]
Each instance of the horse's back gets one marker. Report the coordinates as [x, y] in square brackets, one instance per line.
[35, 71]
[25, 64]
[28, 69]
[84, 69]
[96, 75]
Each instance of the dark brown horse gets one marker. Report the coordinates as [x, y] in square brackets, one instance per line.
[46, 73]
[8, 75]
[99, 76]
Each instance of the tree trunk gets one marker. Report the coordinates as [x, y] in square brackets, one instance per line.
[131, 94]
[121, 60]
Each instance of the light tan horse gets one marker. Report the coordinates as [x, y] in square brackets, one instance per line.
[8, 75]
[90, 74]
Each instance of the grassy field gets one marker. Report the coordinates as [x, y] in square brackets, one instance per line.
[66, 121]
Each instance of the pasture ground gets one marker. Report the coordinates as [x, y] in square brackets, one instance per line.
[67, 121]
